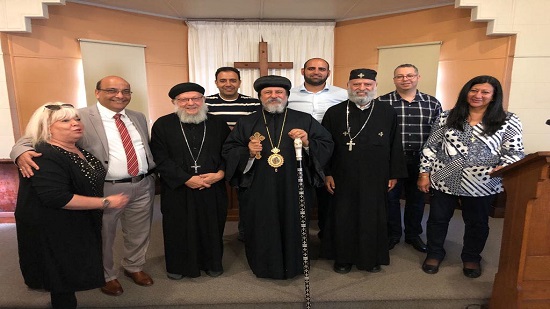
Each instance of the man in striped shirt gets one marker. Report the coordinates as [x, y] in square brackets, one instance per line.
[229, 103]
[416, 112]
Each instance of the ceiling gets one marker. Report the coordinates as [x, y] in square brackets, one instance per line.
[295, 10]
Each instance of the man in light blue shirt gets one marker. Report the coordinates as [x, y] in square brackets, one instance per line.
[314, 97]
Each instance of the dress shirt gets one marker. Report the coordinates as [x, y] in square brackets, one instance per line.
[118, 168]
[316, 104]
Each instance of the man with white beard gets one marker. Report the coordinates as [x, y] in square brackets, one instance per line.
[193, 200]
[366, 163]
[261, 161]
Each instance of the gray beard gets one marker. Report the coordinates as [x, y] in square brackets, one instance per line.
[276, 109]
[201, 116]
[359, 100]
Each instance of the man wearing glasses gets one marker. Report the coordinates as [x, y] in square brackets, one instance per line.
[119, 138]
[416, 111]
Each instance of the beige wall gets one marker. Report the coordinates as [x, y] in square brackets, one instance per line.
[466, 51]
[46, 63]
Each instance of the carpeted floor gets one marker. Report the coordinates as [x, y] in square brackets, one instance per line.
[399, 285]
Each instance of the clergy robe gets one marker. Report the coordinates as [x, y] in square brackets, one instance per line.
[193, 220]
[357, 229]
[272, 219]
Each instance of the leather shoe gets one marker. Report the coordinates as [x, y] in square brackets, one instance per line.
[342, 268]
[418, 244]
[472, 272]
[430, 269]
[374, 269]
[112, 288]
[140, 277]
[214, 273]
[392, 243]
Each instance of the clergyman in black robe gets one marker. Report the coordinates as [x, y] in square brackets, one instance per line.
[367, 160]
[270, 192]
[187, 147]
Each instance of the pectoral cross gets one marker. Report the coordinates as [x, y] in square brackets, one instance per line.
[196, 167]
[350, 144]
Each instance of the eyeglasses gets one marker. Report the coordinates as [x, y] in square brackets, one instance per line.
[113, 91]
[194, 100]
[408, 76]
[56, 107]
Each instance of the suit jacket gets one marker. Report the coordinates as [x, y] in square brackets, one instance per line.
[94, 139]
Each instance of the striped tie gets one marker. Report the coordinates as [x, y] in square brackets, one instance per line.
[131, 157]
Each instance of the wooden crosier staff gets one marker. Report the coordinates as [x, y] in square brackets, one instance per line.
[303, 219]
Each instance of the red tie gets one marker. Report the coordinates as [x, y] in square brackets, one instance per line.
[131, 157]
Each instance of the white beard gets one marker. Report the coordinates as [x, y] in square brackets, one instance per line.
[360, 100]
[275, 109]
[196, 119]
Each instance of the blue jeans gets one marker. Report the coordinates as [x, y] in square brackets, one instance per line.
[475, 213]
[414, 205]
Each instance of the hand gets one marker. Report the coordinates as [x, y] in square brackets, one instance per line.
[117, 200]
[197, 182]
[254, 147]
[26, 163]
[329, 184]
[211, 178]
[498, 167]
[423, 182]
[391, 184]
[301, 134]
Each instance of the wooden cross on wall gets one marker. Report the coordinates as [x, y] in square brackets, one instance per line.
[264, 63]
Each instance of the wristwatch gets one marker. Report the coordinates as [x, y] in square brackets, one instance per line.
[105, 203]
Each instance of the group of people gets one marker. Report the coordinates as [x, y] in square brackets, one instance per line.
[84, 171]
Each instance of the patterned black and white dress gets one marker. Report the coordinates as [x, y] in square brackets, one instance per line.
[459, 162]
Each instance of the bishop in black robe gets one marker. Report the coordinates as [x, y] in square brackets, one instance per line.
[272, 220]
[357, 229]
[193, 219]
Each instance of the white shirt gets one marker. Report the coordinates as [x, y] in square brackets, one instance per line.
[316, 104]
[118, 168]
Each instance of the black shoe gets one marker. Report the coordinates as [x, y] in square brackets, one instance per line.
[472, 272]
[342, 268]
[393, 241]
[213, 273]
[418, 244]
[374, 269]
[430, 269]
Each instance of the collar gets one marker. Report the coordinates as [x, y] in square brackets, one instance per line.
[303, 88]
[104, 111]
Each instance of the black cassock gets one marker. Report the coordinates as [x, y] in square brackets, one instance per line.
[272, 220]
[357, 230]
[193, 220]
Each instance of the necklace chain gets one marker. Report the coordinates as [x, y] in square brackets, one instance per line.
[269, 135]
[348, 127]
[189, 148]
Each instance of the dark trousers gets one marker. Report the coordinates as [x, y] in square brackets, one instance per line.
[414, 204]
[65, 300]
[475, 213]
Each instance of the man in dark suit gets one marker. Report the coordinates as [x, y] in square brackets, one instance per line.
[103, 139]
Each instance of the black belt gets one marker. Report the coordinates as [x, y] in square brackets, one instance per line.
[134, 179]
[411, 153]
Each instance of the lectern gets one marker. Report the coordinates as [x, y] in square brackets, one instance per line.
[523, 276]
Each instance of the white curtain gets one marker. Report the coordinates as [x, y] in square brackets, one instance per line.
[216, 44]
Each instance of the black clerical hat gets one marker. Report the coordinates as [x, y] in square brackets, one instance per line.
[184, 87]
[272, 81]
[362, 73]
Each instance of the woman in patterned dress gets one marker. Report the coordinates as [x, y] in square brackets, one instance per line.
[59, 209]
[466, 145]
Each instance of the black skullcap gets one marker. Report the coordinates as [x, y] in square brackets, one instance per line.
[184, 87]
[362, 73]
[272, 81]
